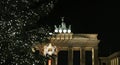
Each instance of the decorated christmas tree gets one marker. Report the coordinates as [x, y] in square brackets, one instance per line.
[18, 31]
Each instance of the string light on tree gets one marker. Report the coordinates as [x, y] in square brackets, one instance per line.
[16, 22]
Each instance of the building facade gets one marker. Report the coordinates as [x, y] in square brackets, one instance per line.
[113, 59]
[64, 39]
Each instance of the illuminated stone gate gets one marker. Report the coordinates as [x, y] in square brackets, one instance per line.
[65, 40]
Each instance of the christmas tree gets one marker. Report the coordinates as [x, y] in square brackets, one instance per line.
[18, 32]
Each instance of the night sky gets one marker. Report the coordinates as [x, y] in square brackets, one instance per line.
[86, 16]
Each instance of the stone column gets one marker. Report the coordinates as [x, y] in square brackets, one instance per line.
[110, 62]
[82, 56]
[70, 56]
[117, 61]
[95, 56]
[113, 62]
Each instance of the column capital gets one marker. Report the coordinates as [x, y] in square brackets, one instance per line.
[95, 48]
[82, 48]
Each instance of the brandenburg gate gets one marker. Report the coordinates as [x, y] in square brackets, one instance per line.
[64, 39]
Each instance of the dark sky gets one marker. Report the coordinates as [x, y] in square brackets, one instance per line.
[90, 16]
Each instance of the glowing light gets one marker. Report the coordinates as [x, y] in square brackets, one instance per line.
[64, 31]
[33, 50]
[56, 31]
[60, 31]
[69, 31]
[49, 49]
[49, 62]
[62, 28]
[33, 64]
[50, 33]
